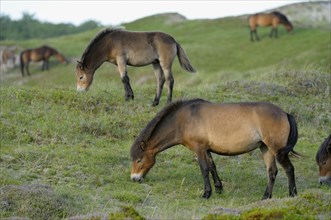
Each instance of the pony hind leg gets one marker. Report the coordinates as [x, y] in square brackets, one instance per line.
[22, 69]
[284, 160]
[159, 83]
[170, 81]
[270, 162]
[252, 35]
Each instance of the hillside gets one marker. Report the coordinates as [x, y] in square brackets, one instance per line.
[309, 14]
[67, 155]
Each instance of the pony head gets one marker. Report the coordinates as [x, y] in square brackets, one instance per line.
[323, 159]
[61, 58]
[289, 27]
[142, 161]
[84, 77]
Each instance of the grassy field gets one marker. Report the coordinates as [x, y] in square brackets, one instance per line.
[66, 154]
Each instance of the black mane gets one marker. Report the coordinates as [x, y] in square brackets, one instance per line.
[283, 19]
[146, 133]
[96, 39]
[323, 151]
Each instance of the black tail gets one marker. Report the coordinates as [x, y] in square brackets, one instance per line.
[292, 137]
[22, 63]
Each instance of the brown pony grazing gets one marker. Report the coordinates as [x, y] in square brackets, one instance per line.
[272, 19]
[124, 48]
[42, 53]
[225, 129]
[323, 159]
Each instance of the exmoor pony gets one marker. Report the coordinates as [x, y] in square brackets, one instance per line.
[271, 19]
[42, 53]
[323, 159]
[225, 129]
[136, 49]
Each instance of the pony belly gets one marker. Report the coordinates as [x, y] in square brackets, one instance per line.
[235, 145]
[141, 59]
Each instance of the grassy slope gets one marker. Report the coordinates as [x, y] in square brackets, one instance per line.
[79, 143]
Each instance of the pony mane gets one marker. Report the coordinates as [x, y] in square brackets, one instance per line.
[322, 153]
[282, 17]
[96, 39]
[146, 133]
[47, 47]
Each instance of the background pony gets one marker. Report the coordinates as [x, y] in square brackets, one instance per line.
[42, 53]
[271, 19]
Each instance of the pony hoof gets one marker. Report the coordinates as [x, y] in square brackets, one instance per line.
[218, 190]
[129, 97]
[206, 195]
[266, 197]
[155, 103]
[293, 194]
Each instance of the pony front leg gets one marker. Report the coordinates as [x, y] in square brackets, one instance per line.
[273, 32]
[125, 80]
[252, 35]
[202, 159]
[212, 167]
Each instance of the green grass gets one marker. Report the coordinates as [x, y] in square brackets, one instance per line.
[79, 144]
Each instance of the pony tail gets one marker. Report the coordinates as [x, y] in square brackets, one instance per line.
[22, 62]
[292, 137]
[183, 59]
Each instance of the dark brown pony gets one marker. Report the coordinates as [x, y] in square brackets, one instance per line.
[323, 159]
[124, 48]
[225, 129]
[271, 19]
[42, 53]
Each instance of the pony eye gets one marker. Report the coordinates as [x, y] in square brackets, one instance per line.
[138, 160]
[81, 77]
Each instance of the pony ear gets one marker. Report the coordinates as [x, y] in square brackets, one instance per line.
[80, 64]
[143, 146]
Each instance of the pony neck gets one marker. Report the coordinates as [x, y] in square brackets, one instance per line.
[93, 62]
[164, 136]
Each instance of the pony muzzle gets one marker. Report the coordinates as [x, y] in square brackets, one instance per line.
[325, 180]
[81, 89]
[136, 177]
